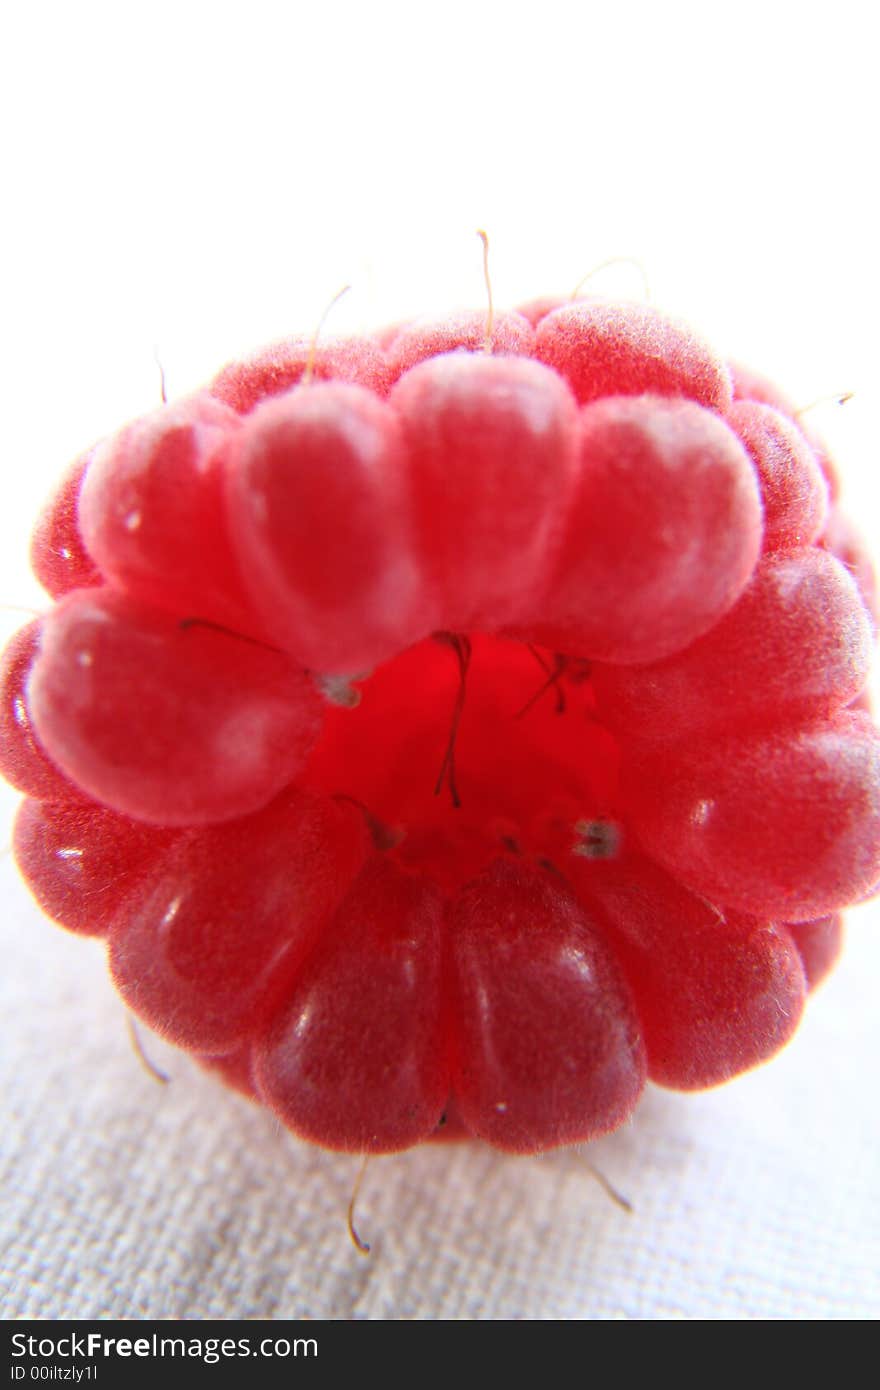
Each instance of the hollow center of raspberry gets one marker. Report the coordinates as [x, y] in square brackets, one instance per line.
[528, 763]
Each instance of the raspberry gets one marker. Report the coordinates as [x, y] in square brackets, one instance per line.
[603, 349]
[171, 723]
[751, 386]
[793, 487]
[816, 843]
[275, 369]
[212, 937]
[82, 862]
[151, 512]
[22, 760]
[812, 658]
[383, 954]
[818, 944]
[491, 447]
[449, 730]
[549, 1046]
[662, 534]
[59, 559]
[716, 992]
[844, 542]
[318, 498]
[426, 338]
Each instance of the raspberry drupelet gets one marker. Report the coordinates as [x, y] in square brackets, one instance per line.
[446, 735]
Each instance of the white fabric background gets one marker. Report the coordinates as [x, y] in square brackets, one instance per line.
[199, 180]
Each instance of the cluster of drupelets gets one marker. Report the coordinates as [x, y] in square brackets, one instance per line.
[448, 730]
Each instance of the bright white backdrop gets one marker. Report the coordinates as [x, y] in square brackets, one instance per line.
[195, 179]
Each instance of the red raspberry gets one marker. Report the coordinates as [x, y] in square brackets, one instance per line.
[425, 338]
[753, 387]
[59, 558]
[447, 735]
[275, 369]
